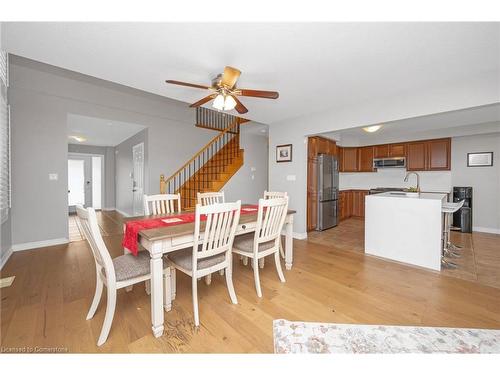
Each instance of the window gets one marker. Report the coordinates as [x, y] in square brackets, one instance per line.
[4, 140]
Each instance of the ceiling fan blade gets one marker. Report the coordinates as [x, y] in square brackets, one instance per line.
[259, 93]
[187, 84]
[203, 101]
[230, 76]
[239, 105]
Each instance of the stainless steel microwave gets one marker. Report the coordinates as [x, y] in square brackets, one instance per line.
[398, 162]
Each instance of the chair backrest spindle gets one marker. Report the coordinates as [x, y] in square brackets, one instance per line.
[162, 204]
[206, 199]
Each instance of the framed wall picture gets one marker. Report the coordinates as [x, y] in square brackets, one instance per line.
[480, 159]
[283, 153]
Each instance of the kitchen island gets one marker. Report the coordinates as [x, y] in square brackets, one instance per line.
[404, 228]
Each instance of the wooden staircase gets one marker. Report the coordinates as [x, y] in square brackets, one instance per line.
[211, 167]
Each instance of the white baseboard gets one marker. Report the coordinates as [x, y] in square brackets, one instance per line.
[109, 209]
[5, 258]
[486, 230]
[37, 244]
[299, 236]
[122, 212]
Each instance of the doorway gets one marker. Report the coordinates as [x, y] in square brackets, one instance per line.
[85, 187]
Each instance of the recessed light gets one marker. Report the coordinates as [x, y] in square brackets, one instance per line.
[372, 129]
[78, 138]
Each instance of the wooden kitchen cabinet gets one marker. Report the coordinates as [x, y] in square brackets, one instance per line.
[381, 151]
[416, 156]
[397, 150]
[439, 154]
[350, 159]
[365, 159]
[431, 155]
[352, 203]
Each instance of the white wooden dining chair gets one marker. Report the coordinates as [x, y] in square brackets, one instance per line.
[162, 204]
[275, 194]
[265, 241]
[210, 198]
[272, 195]
[213, 241]
[113, 273]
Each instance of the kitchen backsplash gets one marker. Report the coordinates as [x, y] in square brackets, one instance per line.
[429, 181]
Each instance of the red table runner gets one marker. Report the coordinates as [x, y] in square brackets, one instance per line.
[133, 227]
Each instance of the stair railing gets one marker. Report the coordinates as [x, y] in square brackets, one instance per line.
[206, 164]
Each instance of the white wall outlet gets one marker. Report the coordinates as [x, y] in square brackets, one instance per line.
[53, 177]
[291, 177]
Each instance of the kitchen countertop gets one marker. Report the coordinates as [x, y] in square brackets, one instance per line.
[434, 196]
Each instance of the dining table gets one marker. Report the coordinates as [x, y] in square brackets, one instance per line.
[163, 240]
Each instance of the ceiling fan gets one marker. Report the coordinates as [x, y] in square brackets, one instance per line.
[225, 93]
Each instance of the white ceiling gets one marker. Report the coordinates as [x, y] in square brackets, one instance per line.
[479, 120]
[98, 131]
[314, 66]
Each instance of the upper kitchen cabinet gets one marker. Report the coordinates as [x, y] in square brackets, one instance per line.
[349, 159]
[438, 153]
[366, 159]
[381, 151]
[416, 156]
[397, 150]
[431, 155]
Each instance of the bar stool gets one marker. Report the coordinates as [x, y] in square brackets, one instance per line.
[449, 250]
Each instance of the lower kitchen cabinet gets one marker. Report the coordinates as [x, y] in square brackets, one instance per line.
[352, 203]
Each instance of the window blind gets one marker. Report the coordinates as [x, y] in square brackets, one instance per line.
[4, 139]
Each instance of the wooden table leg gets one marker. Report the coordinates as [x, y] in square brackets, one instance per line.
[289, 244]
[157, 292]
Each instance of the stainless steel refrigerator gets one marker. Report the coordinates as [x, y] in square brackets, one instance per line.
[328, 191]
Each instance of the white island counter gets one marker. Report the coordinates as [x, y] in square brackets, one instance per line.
[405, 229]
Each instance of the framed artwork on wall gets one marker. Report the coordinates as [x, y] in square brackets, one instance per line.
[283, 153]
[480, 159]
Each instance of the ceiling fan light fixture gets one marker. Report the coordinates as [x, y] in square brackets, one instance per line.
[229, 103]
[372, 129]
[219, 102]
[78, 138]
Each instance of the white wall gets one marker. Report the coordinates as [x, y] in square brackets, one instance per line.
[242, 185]
[485, 181]
[469, 92]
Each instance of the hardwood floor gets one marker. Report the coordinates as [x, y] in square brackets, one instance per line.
[480, 253]
[49, 299]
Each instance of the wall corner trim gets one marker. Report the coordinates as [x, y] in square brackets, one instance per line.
[486, 230]
[6, 257]
[39, 244]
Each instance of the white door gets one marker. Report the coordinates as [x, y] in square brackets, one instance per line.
[79, 181]
[138, 179]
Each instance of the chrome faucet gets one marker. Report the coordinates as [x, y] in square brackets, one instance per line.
[418, 179]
